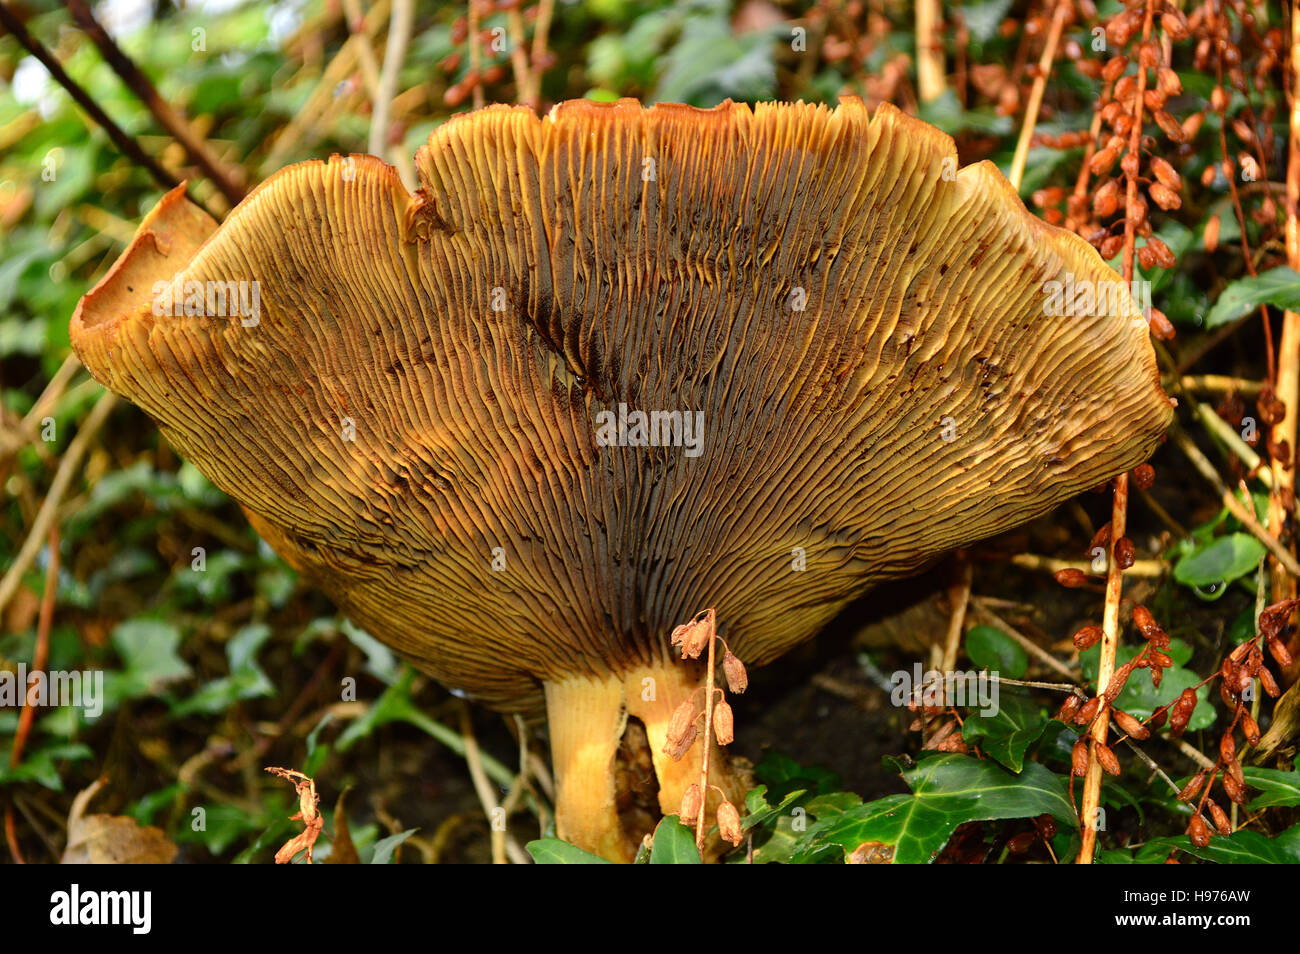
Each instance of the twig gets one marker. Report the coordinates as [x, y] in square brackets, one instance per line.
[519, 56]
[959, 596]
[1235, 506]
[58, 487]
[1282, 499]
[483, 787]
[1220, 384]
[929, 51]
[41, 653]
[1046, 564]
[475, 55]
[196, 146]
[1036, 93]
[1026, 643]
[1119, 506]
[708, 733]
[124, 142]
[399, 35]
[541, 34]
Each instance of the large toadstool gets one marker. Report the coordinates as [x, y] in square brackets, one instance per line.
[845, 350]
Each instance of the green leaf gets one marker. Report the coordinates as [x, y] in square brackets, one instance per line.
[948, 790]
[1242, 847]
[991, 649]
[552, 851]
[39, 767]
[1278, 286]
[1139, 698]
[674, 844]
[1277, 787]
[384, 848]
[1228, 558]
[1007, 734]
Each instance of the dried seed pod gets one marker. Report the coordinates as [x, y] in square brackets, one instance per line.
[1046, 825]
[1124, 556]
[1129, 725]
[724, 724]
[1220, 817]
[1232, 769]
[1145, 621]
[1193, 787]
[1166, 173]
[1227, 746]
[1182, 712]
[1157, 674]
[1269, 683]
[1105, 200]
[682, 719]
[1109, 763]
[676, 750]
[1250, 728]
[1236, 790]
[1277, 649]
[1170, 126]
[1164, 257]
[1168, 81]
[1111, 246]
[1144, 476]
[692, 804]
[1086, 638]
[734, 671]
[1114, 68]
[1164, 196]
[1019, 844]
[1071, 577]
[1068, 708]
[729, 823]
[1158, 718]
[1088, 712]
[1079, 757]
[1198, 831]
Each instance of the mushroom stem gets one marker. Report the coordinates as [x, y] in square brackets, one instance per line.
[666, 685]
[586, 720]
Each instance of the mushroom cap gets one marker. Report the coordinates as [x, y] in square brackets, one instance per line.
[412, 421]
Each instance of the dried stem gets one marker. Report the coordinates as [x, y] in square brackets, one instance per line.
[196, 146]
[959, 596]
[1036, 93]
[708, 734]
[1119, 505]
[45, 517]
[399, 36]
[124, 142]
[929, 51]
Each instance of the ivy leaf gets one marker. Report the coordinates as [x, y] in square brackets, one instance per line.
[1008, 733]
[947, 791]
[1228, 558]
[1278, 286]
[1278, 787]
[1242, 847]
[553, 851]
[991, 649]
[674, 844]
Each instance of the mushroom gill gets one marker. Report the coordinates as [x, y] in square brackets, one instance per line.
[843, 348]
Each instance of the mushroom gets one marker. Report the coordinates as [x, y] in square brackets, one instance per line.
[610, 367]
